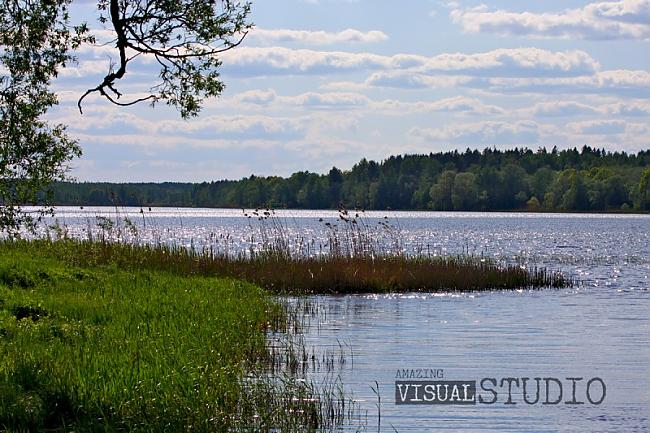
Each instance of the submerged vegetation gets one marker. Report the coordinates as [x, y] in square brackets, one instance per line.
[492, 180]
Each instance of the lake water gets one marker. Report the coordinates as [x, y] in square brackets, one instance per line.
[600, 329]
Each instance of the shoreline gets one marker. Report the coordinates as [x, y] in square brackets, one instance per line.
[367, 211]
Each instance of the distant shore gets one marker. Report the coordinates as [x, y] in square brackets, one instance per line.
[571, 180]
[513, 211]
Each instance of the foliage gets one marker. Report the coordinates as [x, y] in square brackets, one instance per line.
[35, 41]
[183, 38]
[568, 180]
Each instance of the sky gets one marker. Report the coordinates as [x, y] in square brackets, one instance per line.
[322, 83]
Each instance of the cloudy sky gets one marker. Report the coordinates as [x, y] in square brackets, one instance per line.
[327, 82]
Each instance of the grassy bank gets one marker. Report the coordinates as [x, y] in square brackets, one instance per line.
[283, 273]
[88, 346]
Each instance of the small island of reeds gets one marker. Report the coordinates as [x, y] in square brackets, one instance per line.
[284, 274]
[356, 255]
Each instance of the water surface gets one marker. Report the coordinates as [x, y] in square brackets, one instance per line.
[599, 329]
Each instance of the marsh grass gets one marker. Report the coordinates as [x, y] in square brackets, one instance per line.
[282, 273]
[88, 346]
[355, 254]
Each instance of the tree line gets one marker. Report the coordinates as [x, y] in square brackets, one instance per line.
[491, 180]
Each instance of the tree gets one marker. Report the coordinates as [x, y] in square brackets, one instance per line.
[541, 180]
[464, 194]
[183, 37]
[643, 191]
[440, 193]
[513, 182]
[335, 182]
[575, 198]
[615, 192]
[533, 204]
[35, 41]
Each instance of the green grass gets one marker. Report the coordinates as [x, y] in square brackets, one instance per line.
[96, 348]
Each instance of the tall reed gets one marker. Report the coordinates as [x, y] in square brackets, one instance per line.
[281, 273]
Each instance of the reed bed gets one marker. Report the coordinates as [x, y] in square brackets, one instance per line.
[356, 255]
[282, 274]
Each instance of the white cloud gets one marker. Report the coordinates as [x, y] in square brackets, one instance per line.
[574, 108]
[520, 62]
[340, 101]
[330, 100]
[86, 68]
[480, 133]
[258, 97]
[624, 83]
[152, 145]
[413, 80]
[458, 104]
[322, 125]
[632, 109]
[517, 62]
[623, 19]
[314, 100]
[262, 36]
[598, 127]
[257, 61]
[344, 86]
[620, 83]
[235, 128]
[563, 109]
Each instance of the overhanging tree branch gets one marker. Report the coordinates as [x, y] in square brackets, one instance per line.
[184, 37]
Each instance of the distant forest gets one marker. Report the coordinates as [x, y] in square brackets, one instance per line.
[492, 180]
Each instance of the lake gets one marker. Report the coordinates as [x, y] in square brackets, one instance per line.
[599, 329]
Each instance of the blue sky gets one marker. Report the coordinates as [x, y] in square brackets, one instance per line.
[322, 83]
